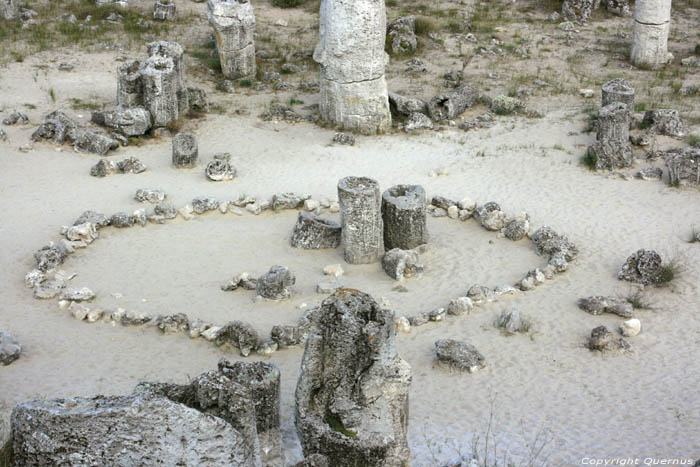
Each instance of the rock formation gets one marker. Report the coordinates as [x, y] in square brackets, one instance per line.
[312, 232]
[352, 394]
[351, 56]
[642, 267]
[9, 9]
[165, 10]
[234, 24]
[400, 264]
[612, 149]
[9, 348]
[652, 22]
[404, 217]
[276, 284]
[361, 220]
[185, 150]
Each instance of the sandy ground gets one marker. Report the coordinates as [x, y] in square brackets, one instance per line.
[544, 386]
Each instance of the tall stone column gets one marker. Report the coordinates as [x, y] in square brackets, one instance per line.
[351, 56]
[234, 24]
[652, 21]
[404, 215]
[362, 234]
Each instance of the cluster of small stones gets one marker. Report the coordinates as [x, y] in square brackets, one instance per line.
[405, 209]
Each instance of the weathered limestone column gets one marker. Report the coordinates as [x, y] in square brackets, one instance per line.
[185, 150]
[165, 10]
[9, 9]
[129, 84]
[612, 123]
[404, 215]
[618, 90]
[176, 53]
[160, 85]
[612, 150]
[652, 21]
[352, 393]
[362, 234]
[234, 24]
[351, 55]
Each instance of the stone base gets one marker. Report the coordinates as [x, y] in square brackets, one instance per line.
[361, 106]
[650, 45]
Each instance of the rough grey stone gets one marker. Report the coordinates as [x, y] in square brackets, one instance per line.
[234, 25]
[220, 170]
[129, 85]
[642, 267]
[604, 340]
[577, 10]
[176, 53]
[121, 219]
[202, 204]
[513, 322]
[312, 232]
[239, 334]
[404, 217]
[15, 118]
[442, 202]
[490, 216]
[459, 355]
[276, 284]
[197, 98]
[9, 9]
[178, 322]
[548, 242]
[361, 220]
[650, 173]
[9, 348]
[598, 304]
[146, 195]
[405, 106]
[618, 90]
[132, 121]
[401, 35]
[160, 90]
[663, 122]
[479, 294]
[417, 121]
[352, 393]
[683, 167]
[288, 201]
[50, 257]
[185, 150]
[449, 105]
[344, 138]
[328, 286]
[506, 105]
[517, 229]
[459, 306]
[96, 218]
[130, 165]
[314, 460]
[165, 10]
[400, 264]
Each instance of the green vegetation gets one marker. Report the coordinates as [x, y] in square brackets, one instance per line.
[669, 272]
[692, 140]
[287, 3]
[589, 160]
[638, 301]
[6, 455]
[337, 425]
[245, 83]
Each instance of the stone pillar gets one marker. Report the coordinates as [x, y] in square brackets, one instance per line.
[352, 393]
[362, 233]
[652, 21]
[612, 150]
[160, 86]
[612, 123]
[618, 90]
[129, 84]
[404, 215]
[165, 10]
[9, 9]
[185, 150]
[175, 52]
[351, 56]
[234, 24]
[578, 10]
[262, 380]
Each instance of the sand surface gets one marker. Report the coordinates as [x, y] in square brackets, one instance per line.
[544, 386]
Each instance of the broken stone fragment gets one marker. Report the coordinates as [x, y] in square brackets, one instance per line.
[459, 355]
[185, 150]
[77, 294]
[513, 322]
[631, 327]
[9, 348]
[96, 218]
[405, 106]
[49, 289]
[328, 286]
[16, 118]
[276, 284]
[121, 220]
[401, 264]
[219, 170]
[480, 294]
[404, 217]
[130, 165]
[146, 195]
[240, 335]
[604, 340]
[598, 304]
[178, 322]
[165, 10]
[312, 232]
[642, 267]
[663, 122]
[288, 201]
[202, 204]
[450, 105]
[50, 257]
[548, 242]
[459, 306]
[401, 35]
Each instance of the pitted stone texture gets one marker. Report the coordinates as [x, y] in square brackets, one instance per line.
[129, 85]
[9, 9]
[185, 150]
[50, 257]
[613, 123]
[578, 10]
[652, 22]
[400, 264]
[288, 201]
[664, 122]
[9, 348]
[417, 121]
[405, 106]
[202, 204]
[598, 304]
[121, 220]
[604, 340]
[618, 7]
[312, 232]
[401, 35]
[618, 90]
[160, 81]
[240, 335]
[643, 267]
[220, 170]
[404, 217]
[127, 430]
[165, 10]
[276, 284]
[459, 355]
[450, 105]
[548, 242]
[490, 216]
[133, 121]
[684, 167]
[234, 25]
[352, 393]
[361, 220]
[350, 53]
[176, 53]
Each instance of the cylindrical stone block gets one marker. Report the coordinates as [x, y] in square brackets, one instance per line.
[312, 232]
[160, 86]
[351, 56]
[262, 380]
[165, 10]
[613, 123]
[129, 84]
[185, 150]
[362, 234]
[176, 53]
[652, 21]
[618, 90]
[404, 216]
[234, 24]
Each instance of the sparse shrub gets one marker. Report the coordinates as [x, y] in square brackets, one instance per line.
[669, 271]
[692, 140]
[294, 101]
[245, 83]
[589, 160]
[697, 49]
[638, 300]
[425, 26]
[287, 3]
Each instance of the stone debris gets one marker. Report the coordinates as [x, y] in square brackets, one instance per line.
[598, 304]
[134, 318]
[650, 174]
[450, 105]
[416, 122]
[401, 35]
[130, 165]
[518, 228]
[362, 236]
[558, 247]
[132, 121]
[202, 204]
[344, 139]
[505, 105]
[276, 284]
[618, 90]
[281, 113]
[406, 106]
[77, 294]
[604, 340]
[86, 232]
[234, 25]
[146, 195]
[352, 393]
[612, 150]
[288, 201]
[243, 280]
[491, 217]
[438, 314]
[16, 118]
[59, 128]
[165, 10]
[459, 306]
[50, 257]
[329, 286]
[642, 267]
[178, 322]
[95, 218]
[35, 277]
[240, 335]
[480, 294]
[663, 122]
[683, 167]
[220, 169]
[9, 348]
[401, 264]
[312, 232]
[459, 355]
[122, 220]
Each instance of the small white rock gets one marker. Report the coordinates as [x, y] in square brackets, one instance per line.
[467, 204]
[235, 210]
[223, 207]
[631, 327]
[95, 315]
[211, 333]
[402, 324]
[78, 311]
[311, 205]
[64, 304]
[186, 212]
[36, 277]
[453, 212]
[335, 270]
[335, 207]
[587, 93]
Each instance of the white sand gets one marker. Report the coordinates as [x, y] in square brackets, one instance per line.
[640, 404]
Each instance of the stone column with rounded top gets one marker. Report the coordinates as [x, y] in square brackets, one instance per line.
[404, 215]
[362, 235]
[652, 21]
[351, 56]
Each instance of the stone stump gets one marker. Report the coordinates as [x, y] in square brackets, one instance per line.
[159, 78]
[613, 123]
[652, 22]
[185, 150]
[362, 234]
[612, 149]
[312, 232]
[618, 90]
[9, 9]
[404, 216]
[165, 10]
[352, 393]
[350, 53]
[176, 53]
[129, 84]
[276, 284]
[234, 24]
